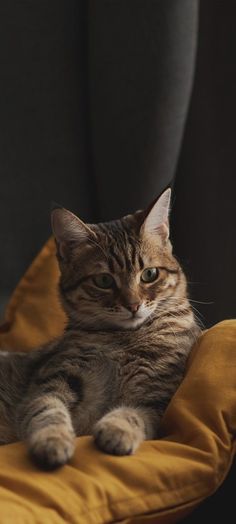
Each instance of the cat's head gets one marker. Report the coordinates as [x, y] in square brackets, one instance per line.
[116, 275]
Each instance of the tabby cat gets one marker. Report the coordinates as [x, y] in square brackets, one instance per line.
[123, 351]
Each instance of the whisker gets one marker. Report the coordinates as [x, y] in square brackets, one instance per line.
[194, 282]
[200, 302]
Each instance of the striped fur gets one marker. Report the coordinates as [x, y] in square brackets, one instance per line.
[114, 371]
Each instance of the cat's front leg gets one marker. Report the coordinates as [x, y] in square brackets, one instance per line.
[122, 430]
[46, 426]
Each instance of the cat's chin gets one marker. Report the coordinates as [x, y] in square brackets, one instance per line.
[132, 323]
[114, 323]
[129, 324]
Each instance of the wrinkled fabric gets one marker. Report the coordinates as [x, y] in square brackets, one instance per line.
[167, 478]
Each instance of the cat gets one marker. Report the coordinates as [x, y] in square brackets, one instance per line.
[123, 351]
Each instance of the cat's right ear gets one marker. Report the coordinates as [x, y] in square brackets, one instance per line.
[68, 230]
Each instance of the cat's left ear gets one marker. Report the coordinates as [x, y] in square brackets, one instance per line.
[156, 220]
[68, 230]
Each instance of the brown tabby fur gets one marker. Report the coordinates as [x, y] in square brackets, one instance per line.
[111, 374]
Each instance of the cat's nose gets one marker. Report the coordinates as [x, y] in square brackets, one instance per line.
[133, 307]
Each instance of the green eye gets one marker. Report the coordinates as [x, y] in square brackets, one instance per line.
[149, 275]
[104, 281]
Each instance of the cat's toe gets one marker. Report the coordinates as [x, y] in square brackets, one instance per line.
[51, 451]
[115, 438]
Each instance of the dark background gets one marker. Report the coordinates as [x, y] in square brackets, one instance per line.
[204, 218]
[102, 105]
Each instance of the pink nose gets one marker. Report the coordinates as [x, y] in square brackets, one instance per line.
[133, 307]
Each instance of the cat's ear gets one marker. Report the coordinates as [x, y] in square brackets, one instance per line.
[156, 221]
[68, 229]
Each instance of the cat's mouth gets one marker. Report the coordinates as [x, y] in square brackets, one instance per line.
[136, 316]
[134, 320]
[121, 319]
[131, 323]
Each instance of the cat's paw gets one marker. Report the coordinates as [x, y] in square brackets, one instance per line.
[116, 437]
[50, 450]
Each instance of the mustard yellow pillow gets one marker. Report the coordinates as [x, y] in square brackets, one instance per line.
[166, 479]
[34, 315]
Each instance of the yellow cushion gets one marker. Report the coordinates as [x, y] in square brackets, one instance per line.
[34, 315]
[165, 479]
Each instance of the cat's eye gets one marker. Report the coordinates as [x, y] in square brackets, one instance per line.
[104, 281]
[150, 274]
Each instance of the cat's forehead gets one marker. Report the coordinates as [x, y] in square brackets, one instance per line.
[119, 248]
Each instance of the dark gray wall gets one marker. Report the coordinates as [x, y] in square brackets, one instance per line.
[43, 124]
[93, 100]
[204, 214]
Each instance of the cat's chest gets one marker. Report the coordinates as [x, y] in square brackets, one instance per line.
[127, 367]
[125, 352]
[111, 362]
[112, 378]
